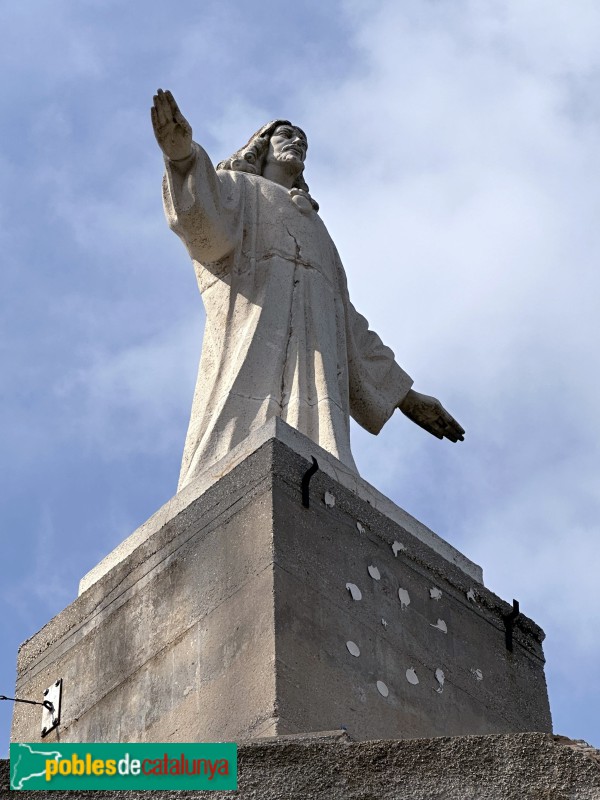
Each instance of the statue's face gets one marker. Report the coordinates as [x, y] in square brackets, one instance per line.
[288, 146]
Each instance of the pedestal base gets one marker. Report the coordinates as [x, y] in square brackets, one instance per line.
[246, 614]
[526, 766]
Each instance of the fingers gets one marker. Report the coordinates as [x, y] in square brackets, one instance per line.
[450, 427]
[154, 118]
[446, 427]
[166, 115]
[162, 107]
[174, 108]
[455, 428]
[458, 433]
[450, 434]
[429, 414]
[178, 117]
[453, 424]
[441, 423]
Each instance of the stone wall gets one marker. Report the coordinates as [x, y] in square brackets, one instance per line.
[248, 614]
[526, 766]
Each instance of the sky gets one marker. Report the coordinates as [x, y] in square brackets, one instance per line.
[453, 149]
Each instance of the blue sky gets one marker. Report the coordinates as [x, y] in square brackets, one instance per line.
[453, 148]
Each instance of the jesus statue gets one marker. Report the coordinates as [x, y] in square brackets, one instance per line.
[282, 338]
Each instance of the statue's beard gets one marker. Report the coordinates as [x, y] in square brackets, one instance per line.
[291, 161]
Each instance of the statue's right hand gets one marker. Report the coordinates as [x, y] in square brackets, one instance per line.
[172, 130]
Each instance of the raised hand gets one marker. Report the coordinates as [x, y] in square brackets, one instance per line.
[172, 130]
[431, 415]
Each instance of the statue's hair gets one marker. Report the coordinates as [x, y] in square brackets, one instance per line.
[251, 157]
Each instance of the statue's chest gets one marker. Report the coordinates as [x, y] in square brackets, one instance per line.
[287, 227]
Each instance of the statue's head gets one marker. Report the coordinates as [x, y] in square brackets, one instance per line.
[278, 140]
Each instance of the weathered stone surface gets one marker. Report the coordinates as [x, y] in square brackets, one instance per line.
[525, 766]
[275, 428]
[282, 338]
[320, 685]
[233, 620]
[180, 631]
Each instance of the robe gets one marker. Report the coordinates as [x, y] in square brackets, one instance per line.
[281, 336]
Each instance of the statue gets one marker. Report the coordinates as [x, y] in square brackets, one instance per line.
[282, 337]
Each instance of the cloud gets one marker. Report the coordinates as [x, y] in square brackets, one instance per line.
[46, 581]
[144, 389]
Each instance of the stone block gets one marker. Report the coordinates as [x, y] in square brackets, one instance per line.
[231, 618]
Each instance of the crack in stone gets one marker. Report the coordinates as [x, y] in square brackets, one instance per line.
[297, 262]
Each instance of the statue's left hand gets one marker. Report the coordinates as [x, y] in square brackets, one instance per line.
[431, 415]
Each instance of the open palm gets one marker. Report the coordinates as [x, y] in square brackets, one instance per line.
[429, 414]
[172, 130]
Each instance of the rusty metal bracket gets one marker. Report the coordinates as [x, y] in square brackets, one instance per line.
[306, 481]
[509, 624]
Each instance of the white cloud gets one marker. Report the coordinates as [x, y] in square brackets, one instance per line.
[131, 401]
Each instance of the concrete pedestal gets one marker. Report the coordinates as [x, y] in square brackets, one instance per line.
[237, 612]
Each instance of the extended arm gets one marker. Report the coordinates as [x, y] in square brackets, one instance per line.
[378, 386]
[193, 193]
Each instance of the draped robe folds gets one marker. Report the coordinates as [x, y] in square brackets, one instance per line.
[281, 337]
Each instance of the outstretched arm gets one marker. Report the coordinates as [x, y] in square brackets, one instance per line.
[172, 130]
[376, 382]
[430, 415]
[193, 190]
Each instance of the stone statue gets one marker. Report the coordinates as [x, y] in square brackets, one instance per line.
[282, 337]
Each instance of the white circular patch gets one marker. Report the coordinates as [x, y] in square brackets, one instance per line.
[404, 598]
[329, 499]
[440, 678]
[353, 649]
[355, 592]
[411, 676]
[440, 625]
[382, 689]
[374, 572]
[396, 547]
